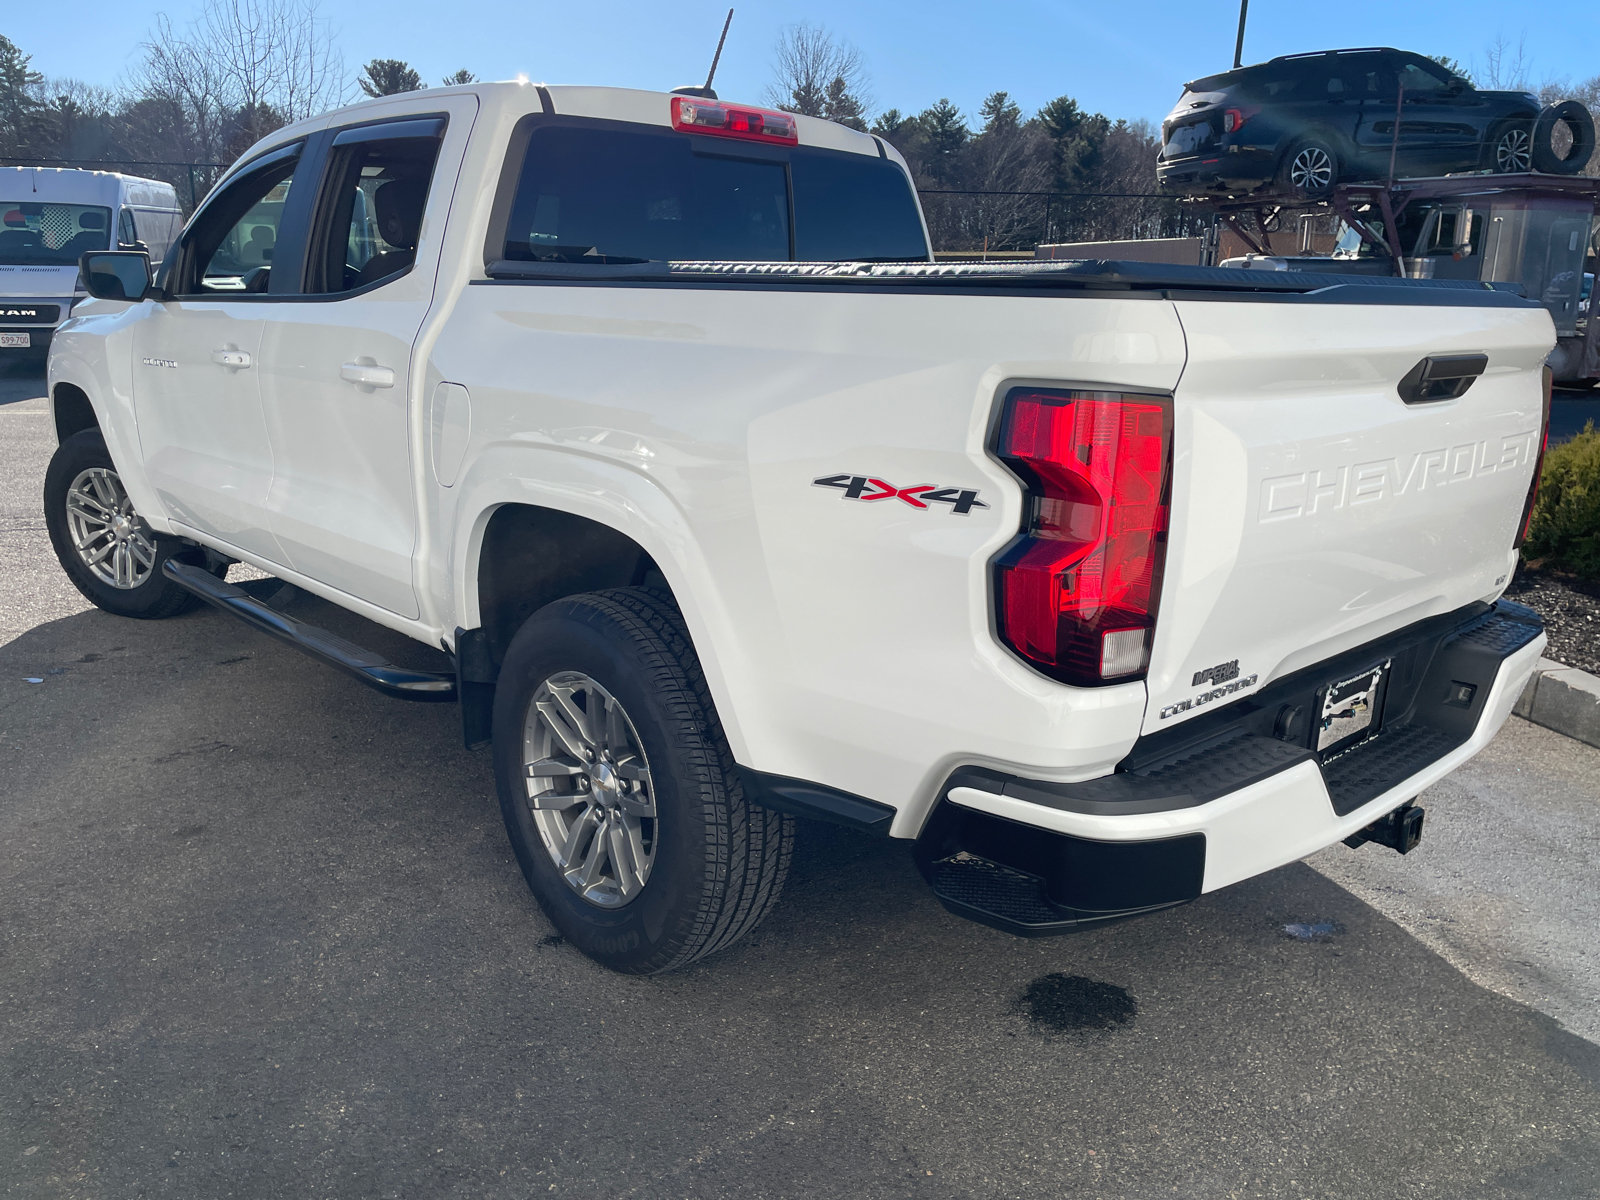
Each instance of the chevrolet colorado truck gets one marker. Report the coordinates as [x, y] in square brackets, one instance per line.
[1105, 584]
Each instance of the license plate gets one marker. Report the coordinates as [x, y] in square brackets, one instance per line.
[1350, 708]
[16, 341]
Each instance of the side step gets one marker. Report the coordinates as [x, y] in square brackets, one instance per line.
[371, 669]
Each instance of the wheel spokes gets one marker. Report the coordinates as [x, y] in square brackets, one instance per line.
[626, 855]
[589, 789]
[581, 825]
[556, 719]
[545, 768]
[593, 863]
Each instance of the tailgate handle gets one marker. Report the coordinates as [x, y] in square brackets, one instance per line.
[1441, 377]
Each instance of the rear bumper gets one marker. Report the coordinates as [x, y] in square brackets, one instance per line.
[1038, 858]
[1221, 172]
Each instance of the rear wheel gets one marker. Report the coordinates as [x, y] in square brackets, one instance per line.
[618, 791]
[108, 551]
[1310, 169]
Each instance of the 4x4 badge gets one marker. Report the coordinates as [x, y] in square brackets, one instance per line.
[866, 487]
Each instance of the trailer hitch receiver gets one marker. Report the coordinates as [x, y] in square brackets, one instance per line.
[1400, 830]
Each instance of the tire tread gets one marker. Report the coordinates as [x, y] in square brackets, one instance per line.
[748, 848]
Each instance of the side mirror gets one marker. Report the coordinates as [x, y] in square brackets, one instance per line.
[116, 274]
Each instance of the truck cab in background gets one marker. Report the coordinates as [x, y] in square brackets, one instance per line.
[49, 217]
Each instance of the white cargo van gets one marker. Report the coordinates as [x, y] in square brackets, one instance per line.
[51, 215]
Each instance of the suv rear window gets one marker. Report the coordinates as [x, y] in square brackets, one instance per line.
[589, 194]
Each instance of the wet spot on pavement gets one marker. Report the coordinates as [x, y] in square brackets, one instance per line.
[1062, 1003]
[1313, 931]
[188, 831]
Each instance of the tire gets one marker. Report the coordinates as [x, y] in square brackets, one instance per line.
[1310, 169]
[1509, 150]
[705, 865]
[1577, 119]
[129, 581]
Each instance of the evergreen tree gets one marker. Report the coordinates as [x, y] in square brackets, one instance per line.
[1000, 112]
[842, 106]
[460, 77]
[946, 134]
[20, 109]
[389, 77]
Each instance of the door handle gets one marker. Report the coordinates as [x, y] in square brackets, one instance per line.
[235, 360]
[367, 375]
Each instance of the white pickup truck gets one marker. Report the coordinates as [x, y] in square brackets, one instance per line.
[1108, 584]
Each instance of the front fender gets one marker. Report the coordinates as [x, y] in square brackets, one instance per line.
[93, 351]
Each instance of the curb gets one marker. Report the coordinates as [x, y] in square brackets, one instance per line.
[1564, 699]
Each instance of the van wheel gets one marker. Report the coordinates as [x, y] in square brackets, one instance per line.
[103, 545]
[1310, 169]
[618, 791]
[1578, 139]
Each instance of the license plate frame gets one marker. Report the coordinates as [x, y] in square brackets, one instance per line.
[16, 341]
[1350, 709]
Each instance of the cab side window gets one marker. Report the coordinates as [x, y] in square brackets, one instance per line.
[374, 195]
[232, 245]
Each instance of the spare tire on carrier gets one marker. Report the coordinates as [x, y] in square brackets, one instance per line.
[1576, 118]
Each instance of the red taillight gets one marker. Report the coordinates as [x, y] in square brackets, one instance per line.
[692, 115]
[1076, 593]
[1538, 463]
[1234, 118]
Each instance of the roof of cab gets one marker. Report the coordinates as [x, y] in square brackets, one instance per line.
[520, 97]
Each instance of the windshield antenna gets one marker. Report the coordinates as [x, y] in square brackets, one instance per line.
[717, 57]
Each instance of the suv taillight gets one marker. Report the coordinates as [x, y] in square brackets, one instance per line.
[1538, 463]
[1076, 592]
[1234, 118]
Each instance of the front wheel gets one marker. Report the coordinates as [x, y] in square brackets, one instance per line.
[1511, 150]
[617, 787]
[1310, 169]
[103, 545]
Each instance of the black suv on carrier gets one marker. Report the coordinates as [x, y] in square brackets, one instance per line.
[1301, 123]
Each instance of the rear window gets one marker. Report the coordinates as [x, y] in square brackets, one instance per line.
[595, 195]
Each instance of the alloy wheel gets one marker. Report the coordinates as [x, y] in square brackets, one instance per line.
[1312, 169]
[110, 538]
[589, 789]
[1514, 151]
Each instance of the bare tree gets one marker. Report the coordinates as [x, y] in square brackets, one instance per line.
[1505, 66]
[241, 69]
[819, 76]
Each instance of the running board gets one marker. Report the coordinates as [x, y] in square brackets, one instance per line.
[371, 669]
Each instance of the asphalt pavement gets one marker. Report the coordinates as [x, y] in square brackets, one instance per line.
[261, 935]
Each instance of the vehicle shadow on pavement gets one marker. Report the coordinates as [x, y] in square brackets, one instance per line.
[263, 934]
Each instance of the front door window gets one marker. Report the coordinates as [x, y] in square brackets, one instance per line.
[232, 247]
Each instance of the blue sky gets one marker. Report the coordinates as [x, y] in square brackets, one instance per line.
[1123, 59]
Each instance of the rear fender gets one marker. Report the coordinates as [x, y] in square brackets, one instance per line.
[634, 506]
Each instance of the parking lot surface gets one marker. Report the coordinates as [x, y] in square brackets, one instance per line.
[261, 935]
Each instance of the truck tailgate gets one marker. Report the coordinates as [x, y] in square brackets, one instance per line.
[1312, 509]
